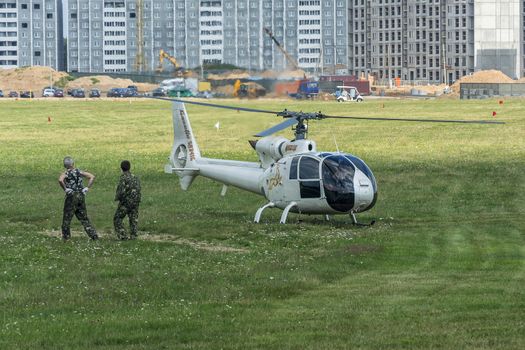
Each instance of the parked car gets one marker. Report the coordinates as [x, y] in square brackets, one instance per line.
[94, 93]
[79, 93]
[69, 92]
[158, 92]
[117, 92]
[48, 93]
[12, 94]
[59, 93]
[134, 88]
[27, 94]
[1, 93]
[130, 93]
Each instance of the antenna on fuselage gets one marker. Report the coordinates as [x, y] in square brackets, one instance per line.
[336, 146]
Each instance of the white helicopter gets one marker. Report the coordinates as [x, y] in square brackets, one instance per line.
[291, 174]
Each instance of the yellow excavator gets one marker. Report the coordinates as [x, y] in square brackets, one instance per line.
[163, 55]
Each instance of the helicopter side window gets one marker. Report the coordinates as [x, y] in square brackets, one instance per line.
[293, 168]
[338, 174]
[309, 170]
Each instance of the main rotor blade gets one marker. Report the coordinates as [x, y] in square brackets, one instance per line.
[206, 104]
[278, 127]
[418, 120]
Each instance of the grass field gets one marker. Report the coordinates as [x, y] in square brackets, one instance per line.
[444, 267]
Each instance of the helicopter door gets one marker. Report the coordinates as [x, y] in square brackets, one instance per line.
[309, 184]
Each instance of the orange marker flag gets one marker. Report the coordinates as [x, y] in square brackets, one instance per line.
[494, 113]
[500, 102]
[49, 119]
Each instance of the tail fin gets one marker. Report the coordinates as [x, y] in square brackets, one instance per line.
[185, 150]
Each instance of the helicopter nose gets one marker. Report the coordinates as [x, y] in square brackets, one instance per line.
[364, 192]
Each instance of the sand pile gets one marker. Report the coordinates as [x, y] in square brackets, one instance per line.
[226, 90]
[28, 78]
[105, 83]
[283, 75]
[235, 74]
[36, 78]
[483, 76]
[254, 87]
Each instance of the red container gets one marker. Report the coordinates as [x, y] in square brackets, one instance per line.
[288, 87]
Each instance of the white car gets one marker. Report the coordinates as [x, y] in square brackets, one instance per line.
[48, 93]
[347, 93]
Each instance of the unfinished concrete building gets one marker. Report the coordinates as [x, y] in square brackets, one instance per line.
[414, 40]
[432, 41]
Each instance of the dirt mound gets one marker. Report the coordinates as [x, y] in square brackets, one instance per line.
[36, 78]
[283, 75]
[105, 83]
[483, 76]
[226, 90]
[29, 78]
[236, 74]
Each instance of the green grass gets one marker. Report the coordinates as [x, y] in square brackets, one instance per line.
[444, 267]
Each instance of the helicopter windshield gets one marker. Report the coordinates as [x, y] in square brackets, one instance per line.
[338, 181]
[364, 169]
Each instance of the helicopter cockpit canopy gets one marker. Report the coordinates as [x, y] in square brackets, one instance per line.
[338, 174]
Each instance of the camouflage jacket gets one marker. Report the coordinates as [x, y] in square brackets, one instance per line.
[128, 189]
[73, 180]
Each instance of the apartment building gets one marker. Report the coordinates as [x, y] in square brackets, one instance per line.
[127, 35]
[31, 33]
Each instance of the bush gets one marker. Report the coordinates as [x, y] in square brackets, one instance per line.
[62, 82]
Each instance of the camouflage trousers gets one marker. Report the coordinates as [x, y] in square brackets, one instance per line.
[133, 215]
[75, 204]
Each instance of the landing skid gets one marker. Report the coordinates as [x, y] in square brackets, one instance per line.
[286, 211]
[260, 210]
[357, 223]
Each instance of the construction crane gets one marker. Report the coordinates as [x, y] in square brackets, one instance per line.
[140, 61]
[289, 58]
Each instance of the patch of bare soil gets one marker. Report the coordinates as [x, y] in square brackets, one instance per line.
[157, 238]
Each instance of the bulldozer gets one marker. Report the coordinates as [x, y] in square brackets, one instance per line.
[248, 90]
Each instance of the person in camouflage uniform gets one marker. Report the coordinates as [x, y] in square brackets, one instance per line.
[75, 204]
[128, 196]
